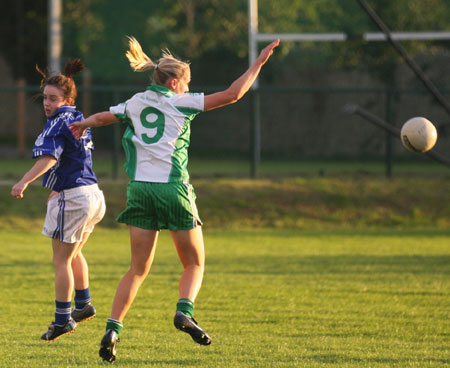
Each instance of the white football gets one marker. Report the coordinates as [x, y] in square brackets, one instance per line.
[418, 135]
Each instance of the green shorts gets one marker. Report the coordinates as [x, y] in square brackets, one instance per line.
[156, 206]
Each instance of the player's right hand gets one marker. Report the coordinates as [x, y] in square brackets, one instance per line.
[76, 130]
[18, 189]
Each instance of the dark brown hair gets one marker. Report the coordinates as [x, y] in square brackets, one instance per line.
[63, 81]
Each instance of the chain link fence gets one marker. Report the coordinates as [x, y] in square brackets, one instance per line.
[295, 123]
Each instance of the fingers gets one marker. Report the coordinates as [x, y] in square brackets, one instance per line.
[52, 194]
[16, 193]
[18, 189]
[273, 45]
[75, 131]
[267, 52]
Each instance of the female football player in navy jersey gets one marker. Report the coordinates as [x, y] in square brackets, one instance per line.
[75, 204]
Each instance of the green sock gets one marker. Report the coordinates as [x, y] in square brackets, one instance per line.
[186, 306]
[114, 325]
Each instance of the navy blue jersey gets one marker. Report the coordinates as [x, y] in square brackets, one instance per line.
[74, 157]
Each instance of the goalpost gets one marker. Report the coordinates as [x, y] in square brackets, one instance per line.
[54, 32]
[254, 37]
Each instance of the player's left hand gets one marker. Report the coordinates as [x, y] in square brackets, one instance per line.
[52, 194]
[18, 189]
[267, 52]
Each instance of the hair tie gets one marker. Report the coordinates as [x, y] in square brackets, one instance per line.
[156, 66]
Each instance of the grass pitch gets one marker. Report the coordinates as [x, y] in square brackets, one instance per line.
[335, 271]
[270, 298]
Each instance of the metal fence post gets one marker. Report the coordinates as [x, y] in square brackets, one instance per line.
[389, 152]
[255, 133]
[21, 116]
[255, 130]
[116, 145]
[87, 95]
[54, 35]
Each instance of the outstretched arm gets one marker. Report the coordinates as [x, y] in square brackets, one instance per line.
[97, 120]
[40, 167]
[241, 85]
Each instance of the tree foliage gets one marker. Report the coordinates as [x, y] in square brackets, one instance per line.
[24, 36]
[213, 34]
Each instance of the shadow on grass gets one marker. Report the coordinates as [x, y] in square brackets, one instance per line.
[339, 359]
[323, 264]
[160, 363]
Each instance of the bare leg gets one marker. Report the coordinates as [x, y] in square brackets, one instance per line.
[62, 261]
[80, 267]
[191, 250]
[143, 246]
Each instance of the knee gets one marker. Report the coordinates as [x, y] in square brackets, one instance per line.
[193, 260]
[195, 264]
[77, 256]
[59, 262]
[140, 270]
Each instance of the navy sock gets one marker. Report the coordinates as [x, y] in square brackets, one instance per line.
[82, 297]
[62, 312]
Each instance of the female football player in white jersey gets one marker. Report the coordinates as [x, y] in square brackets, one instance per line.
[76, 203]
[159, 195]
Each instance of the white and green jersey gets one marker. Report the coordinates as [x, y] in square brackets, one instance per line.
[157, 138]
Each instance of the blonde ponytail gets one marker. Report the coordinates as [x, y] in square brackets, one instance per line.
[167, 67]
[139, 61]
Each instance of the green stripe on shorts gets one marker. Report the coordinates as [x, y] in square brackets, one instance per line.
[156, 206]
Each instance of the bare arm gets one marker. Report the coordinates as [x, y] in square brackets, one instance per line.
[97, 120]
[40, 167]
[241, 85]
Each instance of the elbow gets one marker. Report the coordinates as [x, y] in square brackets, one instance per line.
[220, 99]
[237, 97]
[234, 96]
